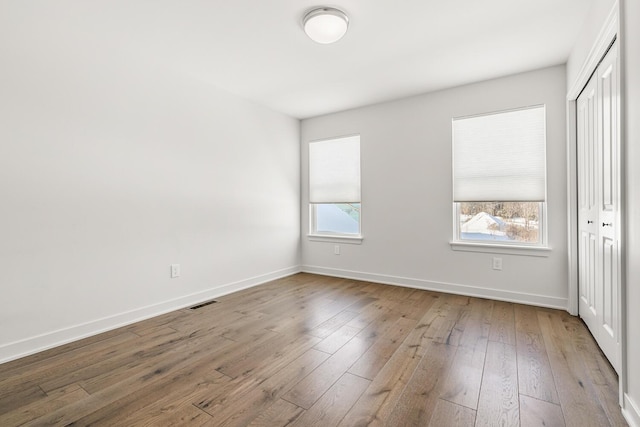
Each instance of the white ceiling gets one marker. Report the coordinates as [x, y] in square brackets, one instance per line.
[257, 49]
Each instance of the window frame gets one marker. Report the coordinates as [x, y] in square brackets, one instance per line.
[502, 247]
[327, 236]
[539, 248]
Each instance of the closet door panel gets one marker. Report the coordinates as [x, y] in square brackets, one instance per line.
[587, 151]
[609, 207]
[599, 206]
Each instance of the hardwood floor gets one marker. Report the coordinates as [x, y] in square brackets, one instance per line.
[310, 350]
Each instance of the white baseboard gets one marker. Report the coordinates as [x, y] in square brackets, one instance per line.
[35, 344]
[451, 288]
[631, 412]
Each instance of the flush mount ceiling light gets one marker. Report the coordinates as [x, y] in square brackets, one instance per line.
[325, 24]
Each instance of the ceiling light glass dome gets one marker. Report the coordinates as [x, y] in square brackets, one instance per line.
[325, 24]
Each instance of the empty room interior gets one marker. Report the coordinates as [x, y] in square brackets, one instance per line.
[284, 212]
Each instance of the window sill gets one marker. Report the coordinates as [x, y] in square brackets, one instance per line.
[492, 248]
[335, 238]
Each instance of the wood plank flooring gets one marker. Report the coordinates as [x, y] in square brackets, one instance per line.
[309, 350]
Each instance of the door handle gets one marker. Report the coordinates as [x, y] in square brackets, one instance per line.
[607, 224]
[589, 222]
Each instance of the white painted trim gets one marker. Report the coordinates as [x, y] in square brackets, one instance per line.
[608, 32]
[451, 288]
[631, 411]
[31, 345]
[572, 207]
[496, 248]
[625, 165]
[336, 238]
[605, 37]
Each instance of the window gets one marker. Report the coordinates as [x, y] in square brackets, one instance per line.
[500, 222]
[499, 177]
[334, 187]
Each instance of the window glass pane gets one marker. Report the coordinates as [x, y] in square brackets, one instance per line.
[515, 222]
[343, 218]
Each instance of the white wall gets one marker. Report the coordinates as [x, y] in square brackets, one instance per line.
[406, 193]
[631, 132]
[112, 167]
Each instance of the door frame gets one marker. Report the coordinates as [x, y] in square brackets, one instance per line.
[607, 35]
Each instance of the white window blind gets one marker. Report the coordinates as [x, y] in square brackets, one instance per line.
[334, 170]
[500, 156]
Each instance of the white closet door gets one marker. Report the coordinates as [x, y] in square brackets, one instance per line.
[599, 206]
[587, 204]
[609, 209]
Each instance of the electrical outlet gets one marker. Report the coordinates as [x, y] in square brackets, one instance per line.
[175, 270]
[497, 263]
[336, 250]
